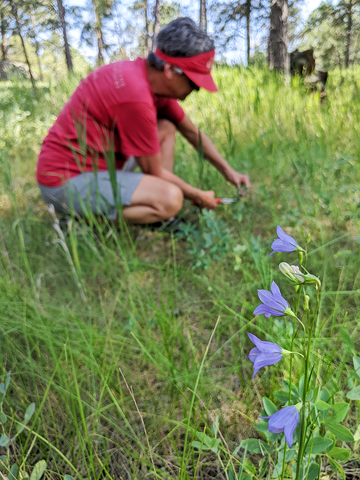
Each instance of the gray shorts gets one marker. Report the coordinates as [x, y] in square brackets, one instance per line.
[93, 193]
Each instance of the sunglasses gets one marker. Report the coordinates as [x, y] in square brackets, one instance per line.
[192, 84]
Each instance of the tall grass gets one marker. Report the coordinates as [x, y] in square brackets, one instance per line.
[147, 312]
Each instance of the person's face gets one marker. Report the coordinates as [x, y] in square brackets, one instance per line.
[180, 85]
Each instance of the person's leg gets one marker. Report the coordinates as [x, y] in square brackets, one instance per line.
[153, 200]
[167, 132]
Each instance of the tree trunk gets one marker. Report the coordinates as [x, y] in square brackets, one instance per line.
[36, 42]
[279, 38]
[99, 37]
[202, 15]
[156, 23]
[147, 30]
[3, 36]
[348, 34]
[61, 10]
[248, 14]
[15, 15]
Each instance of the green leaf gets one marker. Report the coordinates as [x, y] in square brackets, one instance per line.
[356, 361]
[13, 473]
[208, 441]
[313, 471]
[340, 432]
[29, 413]
[249, 467]
[3, 417]
[4, 440]
[283, 396]
[277, 471]
[337, 467]
[199, 446]
[339, 411]
[7, 381]
[2, 388]
[254, 445]
[357, 434]
[344, 334]
[38, 470]
[318, 444]
[269, 406]
[324, 395]
[322, 406]
[354, 394]
[301, 386]
[341, 454]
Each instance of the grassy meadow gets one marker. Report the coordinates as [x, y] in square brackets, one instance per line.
[113, 336]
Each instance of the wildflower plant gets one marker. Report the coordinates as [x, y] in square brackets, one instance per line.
[309, 418]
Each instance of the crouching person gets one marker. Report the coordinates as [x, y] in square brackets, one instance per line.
[126, 114]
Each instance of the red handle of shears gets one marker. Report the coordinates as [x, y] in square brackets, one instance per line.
[217, 201]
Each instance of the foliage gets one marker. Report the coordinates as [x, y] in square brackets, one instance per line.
[327, 31]
[148, 312]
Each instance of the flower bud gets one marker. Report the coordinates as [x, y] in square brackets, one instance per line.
[308, 238]
[301, 257]
[312, 280]
[306, 302]
[292, 272]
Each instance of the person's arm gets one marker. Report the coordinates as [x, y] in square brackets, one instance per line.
[191, 133]
[152, 165]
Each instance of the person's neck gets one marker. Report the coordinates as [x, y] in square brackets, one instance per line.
[156, 80]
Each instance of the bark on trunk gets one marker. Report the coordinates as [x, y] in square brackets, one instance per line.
[348, 34]
[202, 15]
[147, 30]
[3, 37]
[279, 38]
[15, 15]
[156, 23]
[61, 10]
[37, 47]
[99, 37]
[248, 15]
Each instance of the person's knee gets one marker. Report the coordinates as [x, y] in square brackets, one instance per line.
[173, 200]
[166, 128]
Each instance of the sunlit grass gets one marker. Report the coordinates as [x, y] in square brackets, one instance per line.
[302, 158]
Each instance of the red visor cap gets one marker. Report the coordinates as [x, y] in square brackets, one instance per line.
[197, 68]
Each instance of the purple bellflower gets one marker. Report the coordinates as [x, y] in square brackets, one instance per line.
[284, 243]
[273, 303]
[264, 353]
[284, 421]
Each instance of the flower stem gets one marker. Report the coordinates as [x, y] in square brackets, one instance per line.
[283, 464]
[303, 409]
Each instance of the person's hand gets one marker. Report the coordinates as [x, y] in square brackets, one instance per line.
[205, 199]
[238, 179]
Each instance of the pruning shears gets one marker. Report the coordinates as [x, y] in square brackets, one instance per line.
[227, 201]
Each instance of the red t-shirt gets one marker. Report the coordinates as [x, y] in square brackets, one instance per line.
[112, 110]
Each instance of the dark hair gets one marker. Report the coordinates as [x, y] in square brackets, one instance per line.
[180, 38]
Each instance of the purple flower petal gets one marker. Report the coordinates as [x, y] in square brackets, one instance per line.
[263, 345]
[281, 246]
[254, 352]
[273, 302]
[264, 354]
[267, 359]
[262, 310]
[285, 420]
[290, 428]
[270, 300]
[284, 243]
[284, 237]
